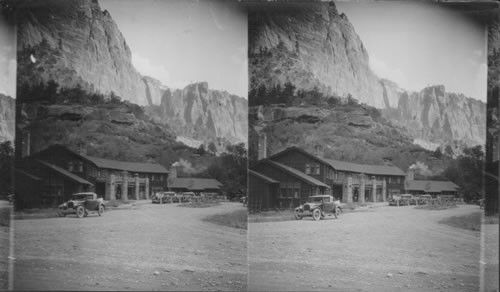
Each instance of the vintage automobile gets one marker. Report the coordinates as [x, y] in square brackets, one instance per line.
[402, 200]
[187, 197]
[81, 204]
[318, 207]
[423, 199]
[163, 197]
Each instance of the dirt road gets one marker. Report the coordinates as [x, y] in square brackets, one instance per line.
[153, 247]
[385, 249]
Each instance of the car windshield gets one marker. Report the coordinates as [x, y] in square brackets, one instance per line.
[316, 199]
[81, 197]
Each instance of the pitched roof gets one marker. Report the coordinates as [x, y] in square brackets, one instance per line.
[65, 173]
[128, 166]
[192, 183]
[365, 168]
[431, 186]
[348, 166]
[260, 175]
[302, 176]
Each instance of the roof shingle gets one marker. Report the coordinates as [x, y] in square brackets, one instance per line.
[128, 166]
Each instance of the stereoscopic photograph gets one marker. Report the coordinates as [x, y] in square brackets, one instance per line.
[130, 145]
[367, 133]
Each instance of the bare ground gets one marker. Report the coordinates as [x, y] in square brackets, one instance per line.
[381, 249]
[151, 247]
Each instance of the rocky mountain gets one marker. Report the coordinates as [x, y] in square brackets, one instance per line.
[203, 114]
[439, 116]
[7, 118]
[314, 46]
[348, 132]
[76, 44]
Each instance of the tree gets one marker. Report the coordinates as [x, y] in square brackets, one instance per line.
[212, 148]
[201, 150]
[437, 152]
[467, 172]
[448, 150]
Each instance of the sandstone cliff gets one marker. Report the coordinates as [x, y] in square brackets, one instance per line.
[312, 45]
[74, 42]
[321, 49]
[203, 114]
[440, 117]
[7, 118]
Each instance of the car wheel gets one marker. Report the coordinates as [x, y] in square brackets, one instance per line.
[60, 213]
[101, 210]
[298, 216]
[336, 213]
[80, 212]
[316, 214]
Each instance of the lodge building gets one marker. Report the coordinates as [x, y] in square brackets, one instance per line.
[286, 179]
[56, 172]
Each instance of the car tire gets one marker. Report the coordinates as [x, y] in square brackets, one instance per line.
[80, 212]
[60, 213]
[316, 214]
[297, 216]
[336, 213]
[101, 210]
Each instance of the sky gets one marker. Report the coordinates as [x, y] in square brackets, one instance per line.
[7, 58]
[417, 44]
[182, 42]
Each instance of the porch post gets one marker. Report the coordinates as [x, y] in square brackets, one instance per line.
[374, 189]
[125, 186]
[361, 195]
[147, 188]
[349, 189]
[111, 187]
[137, 186]
[384, 190]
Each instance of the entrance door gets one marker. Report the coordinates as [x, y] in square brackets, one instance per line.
[131, 192]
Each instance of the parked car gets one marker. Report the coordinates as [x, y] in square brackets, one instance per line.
[319, 207]
[187, 197]
[163, 197]
[402, 200]
[81, 204]
[423, 199]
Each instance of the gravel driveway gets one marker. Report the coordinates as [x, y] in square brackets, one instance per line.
[152, 247]
[383, 249]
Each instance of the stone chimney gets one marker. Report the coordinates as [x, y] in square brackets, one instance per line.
[262, 146]
[411, 172]
[82, 149]
[173, 170]
[319, 151]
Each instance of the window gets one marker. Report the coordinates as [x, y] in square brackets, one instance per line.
[70, 166]
[312, 169]
[289, 190]
[79, 166]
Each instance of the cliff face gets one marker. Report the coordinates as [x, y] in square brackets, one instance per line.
[75, 43]
[320, 47]
[312, 45]
[439, 116]
[200, 113]
[7, 118]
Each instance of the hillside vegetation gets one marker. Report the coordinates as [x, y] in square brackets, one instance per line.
[340, 127]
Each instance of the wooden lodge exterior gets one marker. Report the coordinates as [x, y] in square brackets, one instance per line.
[61, 172]
[348, 182]
[294, 186]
